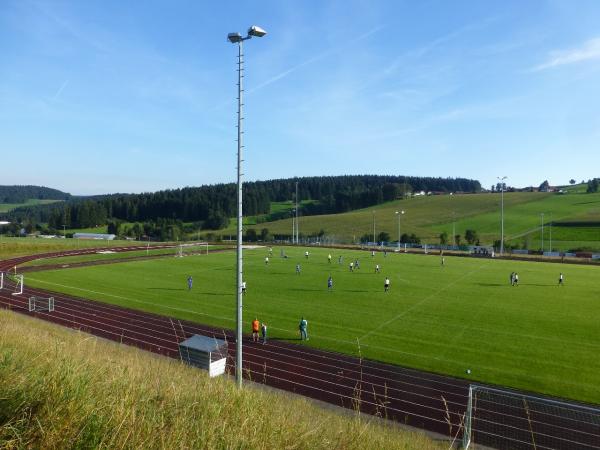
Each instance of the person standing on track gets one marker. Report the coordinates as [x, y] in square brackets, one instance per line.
[263, 331]
[303, 326]
[255, 329]
[190, 282]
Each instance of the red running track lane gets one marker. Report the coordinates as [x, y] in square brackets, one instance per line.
[425, 400]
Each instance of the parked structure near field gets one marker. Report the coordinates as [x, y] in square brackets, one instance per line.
[99, 236]
[205, 352]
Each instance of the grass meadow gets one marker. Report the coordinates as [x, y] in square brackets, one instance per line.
[428, 216]
[11, 247]
[63, 389]
[447, 319]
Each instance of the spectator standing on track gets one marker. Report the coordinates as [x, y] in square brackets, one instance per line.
[190, 282]
[303, 326]
[255, 328]
[561, 279]
[386, 284]
[263, 331]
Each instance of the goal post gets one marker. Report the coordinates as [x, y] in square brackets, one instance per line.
[502, 418]
[41, 304]
[18, 284]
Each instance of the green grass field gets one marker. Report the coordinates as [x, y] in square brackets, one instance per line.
[429, 216]
[536, 336]
[6, 207]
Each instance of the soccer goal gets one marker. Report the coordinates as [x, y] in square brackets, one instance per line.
[41, 304]
[500, 418]
[18, 280]
[191, 248]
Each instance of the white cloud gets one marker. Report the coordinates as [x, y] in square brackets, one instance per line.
[590, 50]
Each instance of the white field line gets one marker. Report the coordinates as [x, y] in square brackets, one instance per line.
[416, 305]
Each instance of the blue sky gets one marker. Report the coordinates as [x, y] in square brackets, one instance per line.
[115, 96]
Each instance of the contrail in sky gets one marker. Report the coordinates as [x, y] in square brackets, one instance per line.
[60, 89]
[315, 58]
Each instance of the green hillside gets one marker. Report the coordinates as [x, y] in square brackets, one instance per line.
[6, 207]
[576, 218]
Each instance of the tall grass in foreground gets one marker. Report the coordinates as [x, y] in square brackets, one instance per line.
[64, 389]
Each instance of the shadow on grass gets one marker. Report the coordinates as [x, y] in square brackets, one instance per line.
[166, 289]
[308, 290]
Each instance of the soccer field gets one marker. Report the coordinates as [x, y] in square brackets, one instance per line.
[463, 315]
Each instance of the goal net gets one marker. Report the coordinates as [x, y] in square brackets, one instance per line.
[501, 419]
[191, 248]
[41, 304]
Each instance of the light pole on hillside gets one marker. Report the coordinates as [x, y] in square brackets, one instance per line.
[550, 229]
[297, 227]
[502, 214]
[236, 38]
[542, 220]
[399, 213]
[373, 227]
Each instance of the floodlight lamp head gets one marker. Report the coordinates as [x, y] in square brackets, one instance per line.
[234, 38]
[256, 31]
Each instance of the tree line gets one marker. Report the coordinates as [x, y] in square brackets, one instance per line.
[213, 205]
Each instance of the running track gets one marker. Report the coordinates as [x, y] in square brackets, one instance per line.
[420, 399]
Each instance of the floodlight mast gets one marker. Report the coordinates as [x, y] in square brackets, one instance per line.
[236, 38]
[502, 214]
